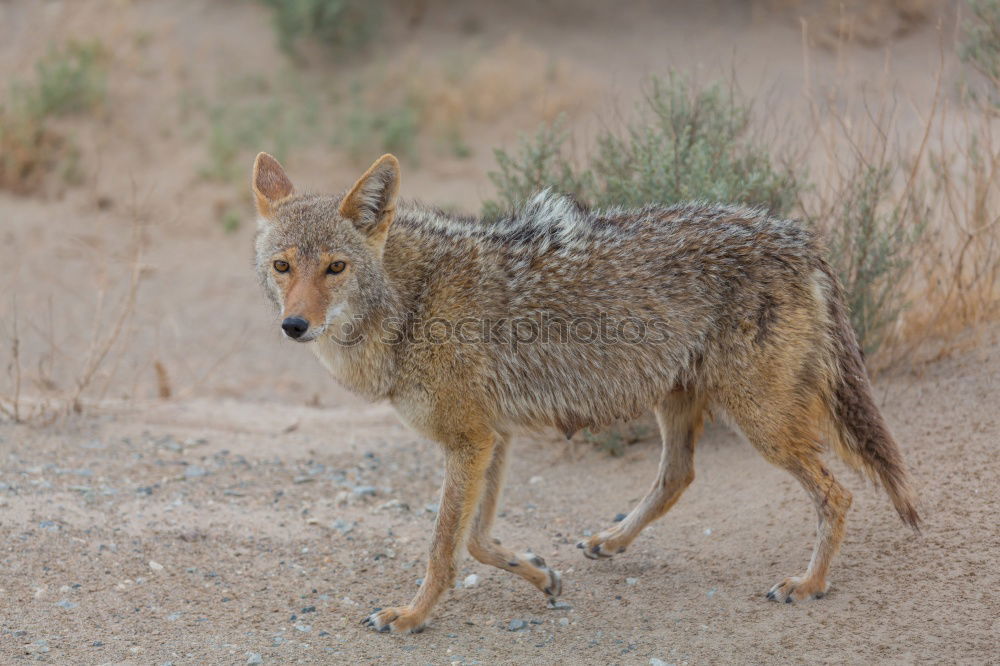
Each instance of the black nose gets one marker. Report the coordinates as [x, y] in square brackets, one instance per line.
[294, 327]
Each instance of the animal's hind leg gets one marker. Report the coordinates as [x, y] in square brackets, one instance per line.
[488, 550]
[789, 439]
[680, 419]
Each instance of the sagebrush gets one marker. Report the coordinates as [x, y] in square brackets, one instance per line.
[688, 143]
[70, 80]
[980, 42]
[336, 24]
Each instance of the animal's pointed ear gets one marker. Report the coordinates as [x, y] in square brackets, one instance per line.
[371, 203]
[270, 184]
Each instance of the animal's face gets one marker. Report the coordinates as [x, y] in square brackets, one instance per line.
[316, 254]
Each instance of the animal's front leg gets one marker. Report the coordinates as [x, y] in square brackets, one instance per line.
[466, 460]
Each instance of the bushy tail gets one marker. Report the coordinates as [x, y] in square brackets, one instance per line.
[863, 439]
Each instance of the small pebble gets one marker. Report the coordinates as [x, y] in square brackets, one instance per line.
[66, 603]
[516, 625]
[253, 659]
[564, 621]
[364, 491]
[343, 526]
[619, 517]
[304, 628]
[470, 581]
[535, 479]
[631, 581]
[393, 504]
[193, 472]
[708, 531]
[155, 566]
[653, 661]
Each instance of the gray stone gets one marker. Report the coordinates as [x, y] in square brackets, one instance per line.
[193, 472]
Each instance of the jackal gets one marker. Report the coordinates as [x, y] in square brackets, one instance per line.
[556, 315]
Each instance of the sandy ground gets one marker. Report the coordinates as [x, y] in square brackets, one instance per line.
[263, 511]
[207, 532]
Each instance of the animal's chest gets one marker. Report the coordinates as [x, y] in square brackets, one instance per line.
[352, 367]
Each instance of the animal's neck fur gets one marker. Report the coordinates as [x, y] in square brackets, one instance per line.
[361, 358]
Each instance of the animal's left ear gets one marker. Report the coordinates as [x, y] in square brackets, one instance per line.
[270, 184]
[371, 203]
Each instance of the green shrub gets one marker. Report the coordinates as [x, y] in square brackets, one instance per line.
[67, 81]
[256, 115]
[541, 162]
[391, 129]
[337, 24]
[236, 129]
[873, 240]
[980, 41]
[688, 143]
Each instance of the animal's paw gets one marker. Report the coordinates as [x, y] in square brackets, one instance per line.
[551, 584]
[401, 619]
[602, 545]
[797, 588]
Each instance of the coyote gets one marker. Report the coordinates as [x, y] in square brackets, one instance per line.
[475, 329]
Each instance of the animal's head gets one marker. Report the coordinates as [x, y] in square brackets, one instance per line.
[319, 258]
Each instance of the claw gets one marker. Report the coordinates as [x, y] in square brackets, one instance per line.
[554, 588]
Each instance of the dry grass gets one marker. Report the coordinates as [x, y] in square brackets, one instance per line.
[959, 269]
[105, 349]
[29, 152]
[937, 199]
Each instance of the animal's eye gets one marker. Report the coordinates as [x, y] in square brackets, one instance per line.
[336, 267]
[281, 266]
